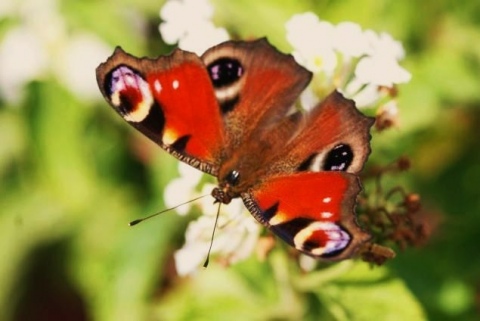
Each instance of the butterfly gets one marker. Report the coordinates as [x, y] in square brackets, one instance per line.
[231, 113]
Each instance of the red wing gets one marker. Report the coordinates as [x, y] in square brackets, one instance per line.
[314, 212]
[170, 100]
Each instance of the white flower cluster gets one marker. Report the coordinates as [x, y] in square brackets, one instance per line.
[188, 23]
[361, 64]
[237, 231]
[40, 45]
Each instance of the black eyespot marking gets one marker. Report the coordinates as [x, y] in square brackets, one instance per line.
[181, 143]
[339, 158]
[232, 178]
[225, 71]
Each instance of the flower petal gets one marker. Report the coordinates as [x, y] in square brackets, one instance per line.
[381, 70]
[190, 173]
[23, 57]
[204, 36]
[349, 39]
[181, 19]
[189, 258]
[76, 61]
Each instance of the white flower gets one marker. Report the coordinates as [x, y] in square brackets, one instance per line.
[349, 40]
[199, 40]
[180, 17]
[369, 95]
[188, 22]
[307, 263]
[36, 48]
[44, 19]
[301, 27]
[390, 109]
[368, 60]
[380, 67]
[23, 58]
[383, 44]
[381, 70]
[25, 52]
[182, 189]
[387, 115]
[235, 238]
[317, 54]
[236, 233]
[75, 62]
[7, 8]
[308, 99]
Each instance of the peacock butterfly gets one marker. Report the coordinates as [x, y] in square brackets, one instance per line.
[230, 113]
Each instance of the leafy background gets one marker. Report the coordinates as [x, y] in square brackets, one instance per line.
[73, 174]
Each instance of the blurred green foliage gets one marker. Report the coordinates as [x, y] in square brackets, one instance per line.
[72, 175]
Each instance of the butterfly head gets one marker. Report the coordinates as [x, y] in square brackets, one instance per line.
[227, 188]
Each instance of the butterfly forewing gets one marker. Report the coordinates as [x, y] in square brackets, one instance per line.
[263, 85]
[170, 100]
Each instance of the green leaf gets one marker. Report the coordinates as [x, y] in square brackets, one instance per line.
[369, 293]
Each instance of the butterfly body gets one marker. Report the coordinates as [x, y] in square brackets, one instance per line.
[229, 113]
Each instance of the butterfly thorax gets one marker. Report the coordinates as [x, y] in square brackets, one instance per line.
[240, 170]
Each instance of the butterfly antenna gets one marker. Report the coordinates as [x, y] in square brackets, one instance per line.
[213, 234]
[135, 222]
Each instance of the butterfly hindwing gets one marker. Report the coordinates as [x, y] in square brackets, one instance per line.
[169, 99]
[308, 196]
[313, 212]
